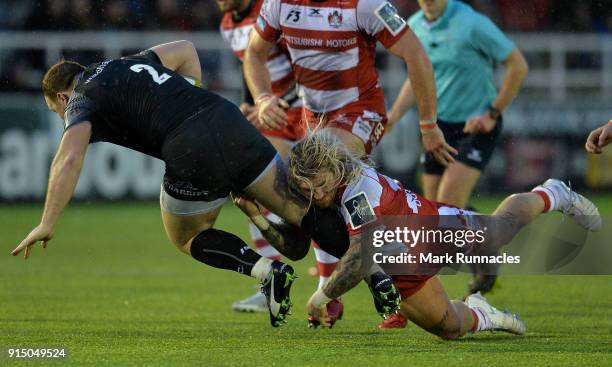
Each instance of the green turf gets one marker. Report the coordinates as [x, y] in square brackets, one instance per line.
[113, 292]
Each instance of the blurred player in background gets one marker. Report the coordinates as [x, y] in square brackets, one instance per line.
[464, 46]
[238, 21]
[332, 46]
[599, 138]
[143, 102]
[324, 171]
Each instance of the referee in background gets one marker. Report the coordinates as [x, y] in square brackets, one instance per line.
[464, 47]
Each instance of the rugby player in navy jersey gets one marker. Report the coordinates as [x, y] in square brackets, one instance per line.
[145, 103]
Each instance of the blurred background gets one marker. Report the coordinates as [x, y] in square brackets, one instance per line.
[568, 91]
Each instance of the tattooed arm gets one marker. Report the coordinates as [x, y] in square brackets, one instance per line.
[288, 239]
[351, 269]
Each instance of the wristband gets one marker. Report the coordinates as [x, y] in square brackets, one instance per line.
[494, 113]
[319, 298]
[262, 97]
[428, 126]
[261, 222]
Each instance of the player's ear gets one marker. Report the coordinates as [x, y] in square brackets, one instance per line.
[62, 97]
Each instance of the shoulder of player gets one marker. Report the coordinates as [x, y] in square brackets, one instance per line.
[368, 183]
[466, 15]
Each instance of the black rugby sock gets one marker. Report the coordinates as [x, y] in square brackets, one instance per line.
[223, 250]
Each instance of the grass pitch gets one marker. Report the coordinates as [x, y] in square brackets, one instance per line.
[112, 291]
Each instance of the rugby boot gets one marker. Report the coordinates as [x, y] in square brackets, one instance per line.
[496, 320]
[580, 209]
[394, 321]
[386, 297]
[276, 288]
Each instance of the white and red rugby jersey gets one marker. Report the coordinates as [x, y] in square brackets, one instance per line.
[332, 46]
[236, 32]
[375, 195]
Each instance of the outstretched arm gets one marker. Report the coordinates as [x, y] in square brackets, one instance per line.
[63, 177]
[182, 57]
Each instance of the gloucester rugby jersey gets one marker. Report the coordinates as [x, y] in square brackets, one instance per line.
[332, 45]
[235, 30]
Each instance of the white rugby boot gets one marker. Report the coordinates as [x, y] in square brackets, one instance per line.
[255, 303]
[580, 209]
[495, 319]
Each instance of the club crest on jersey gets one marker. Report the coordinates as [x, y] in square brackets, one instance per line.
[335, 19]
[390, 18]
[359, 210]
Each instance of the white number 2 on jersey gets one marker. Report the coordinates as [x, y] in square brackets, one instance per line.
[159, 79]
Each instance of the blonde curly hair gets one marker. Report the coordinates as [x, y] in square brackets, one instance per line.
[322, 151]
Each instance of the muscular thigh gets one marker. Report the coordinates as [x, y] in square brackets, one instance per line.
[271, 190]
[181, 229]
[430, 308]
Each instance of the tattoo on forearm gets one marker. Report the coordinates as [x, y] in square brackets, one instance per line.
[350, 271]
[287, 239]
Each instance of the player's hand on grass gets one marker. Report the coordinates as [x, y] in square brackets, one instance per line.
[250, 112]
[435, 144]
[599, 138]
[271, 111]
[42, 233]
[318, 315]
[481, 124]
[248, 206]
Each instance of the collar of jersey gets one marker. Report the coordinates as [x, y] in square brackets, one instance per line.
[450, 5]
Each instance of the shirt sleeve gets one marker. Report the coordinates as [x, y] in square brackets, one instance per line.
[268, 22]
[489, 39]
[361, 205]
[380, 19]
[146, 55]
[80, 109]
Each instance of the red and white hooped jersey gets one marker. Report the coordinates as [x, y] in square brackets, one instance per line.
[375, 195]
[332, 46]
[236, 35]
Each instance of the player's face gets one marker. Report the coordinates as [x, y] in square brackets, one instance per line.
[231, 5]
[432, 8]
[324, 189]
[57, 105]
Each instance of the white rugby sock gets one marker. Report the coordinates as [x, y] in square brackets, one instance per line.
[482, 320]
[326, 264]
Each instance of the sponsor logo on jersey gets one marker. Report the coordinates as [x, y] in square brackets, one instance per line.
[413, 201]
[335, 19]
[475, 155]
[99, 69]
[362, 129]
[359, 210]
[293, 16]
[315, 13]
[390, 18]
